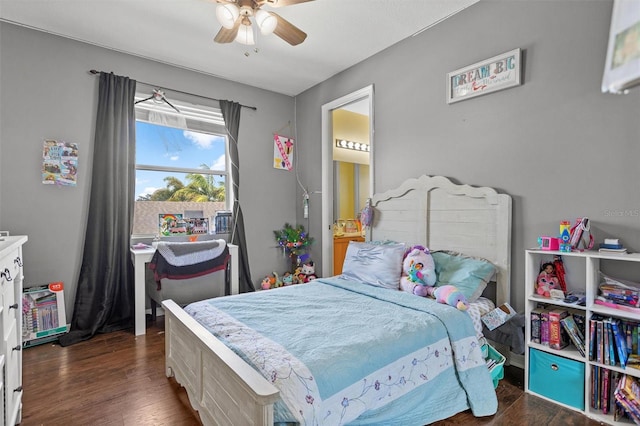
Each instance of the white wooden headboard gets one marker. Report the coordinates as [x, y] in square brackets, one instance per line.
[434, 212]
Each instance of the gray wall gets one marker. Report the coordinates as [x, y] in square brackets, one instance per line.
[47, 93]
[556, 144]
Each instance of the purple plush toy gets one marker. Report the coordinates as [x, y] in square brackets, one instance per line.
[418, 271]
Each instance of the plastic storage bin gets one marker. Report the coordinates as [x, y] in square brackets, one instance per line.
[497, 370]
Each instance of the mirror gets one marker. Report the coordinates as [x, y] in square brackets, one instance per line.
[347, 171]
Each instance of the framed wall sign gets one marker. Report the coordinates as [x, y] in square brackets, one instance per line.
[622, 66]
[488, 76]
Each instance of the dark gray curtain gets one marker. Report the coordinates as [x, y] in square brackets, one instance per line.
[231, 115]
[104, 295]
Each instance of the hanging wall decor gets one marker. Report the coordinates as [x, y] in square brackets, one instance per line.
[622, 66]
[59, 163]
[282, 152]
[488, 76]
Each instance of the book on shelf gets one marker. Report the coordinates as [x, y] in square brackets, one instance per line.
[599, 352]
[620, 342]
[612, 249]
[619, 293]
[558, 338]
[592, 338]
[544, 327]
[633, 361]
[535, 324]
[606, 375]
[609, 304]
[574, 333]
[626, 394]
[606, 332]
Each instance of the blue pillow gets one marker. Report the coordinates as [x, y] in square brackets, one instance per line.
[374, 263]
[470, 274]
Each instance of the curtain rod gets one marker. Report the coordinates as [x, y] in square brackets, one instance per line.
[179, 91]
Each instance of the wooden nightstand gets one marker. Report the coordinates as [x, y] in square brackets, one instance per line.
[340, 245]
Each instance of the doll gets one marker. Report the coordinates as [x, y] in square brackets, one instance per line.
[547, 280]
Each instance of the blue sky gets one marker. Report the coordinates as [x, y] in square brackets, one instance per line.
[171, 147]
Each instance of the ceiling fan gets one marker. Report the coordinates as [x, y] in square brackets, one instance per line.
[234, 16]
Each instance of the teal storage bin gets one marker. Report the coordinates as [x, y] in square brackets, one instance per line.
[497, 371]
[557, 378]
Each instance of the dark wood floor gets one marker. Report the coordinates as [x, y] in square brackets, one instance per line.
[118, 379]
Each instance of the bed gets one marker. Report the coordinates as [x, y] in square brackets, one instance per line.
[430, 367]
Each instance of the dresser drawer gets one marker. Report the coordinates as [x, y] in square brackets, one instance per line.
[557, 378]
[10, 266]
[12, 376]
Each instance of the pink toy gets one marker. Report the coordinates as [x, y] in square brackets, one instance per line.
[449, 295]
[547, 280]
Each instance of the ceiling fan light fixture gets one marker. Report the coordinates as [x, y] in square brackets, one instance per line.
[245, 33]
[266, 22]
[227, 14]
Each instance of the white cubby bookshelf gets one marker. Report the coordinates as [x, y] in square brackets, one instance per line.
[582, 274]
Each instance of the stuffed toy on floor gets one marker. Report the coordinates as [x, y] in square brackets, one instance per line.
[418, 271]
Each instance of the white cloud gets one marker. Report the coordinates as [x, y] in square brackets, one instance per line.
[203, 140]
[174, 158]
[219, 164]
[148, 191]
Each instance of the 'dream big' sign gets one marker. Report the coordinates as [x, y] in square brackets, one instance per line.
[497, 73]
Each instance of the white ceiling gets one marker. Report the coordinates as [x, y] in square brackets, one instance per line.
[341, 33]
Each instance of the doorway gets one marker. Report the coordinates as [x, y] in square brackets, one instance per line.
[359, 103]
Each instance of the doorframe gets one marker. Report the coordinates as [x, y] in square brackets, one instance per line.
[327, 168]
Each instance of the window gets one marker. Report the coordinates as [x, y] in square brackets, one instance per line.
[182, 163]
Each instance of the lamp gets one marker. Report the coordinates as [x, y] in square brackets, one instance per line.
[266, 22]
[227, 14]
[355, 146]
[245, 33]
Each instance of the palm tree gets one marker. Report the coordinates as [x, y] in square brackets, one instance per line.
[201, 188]
[163, 194]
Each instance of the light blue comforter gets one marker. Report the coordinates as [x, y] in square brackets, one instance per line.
[344, 352]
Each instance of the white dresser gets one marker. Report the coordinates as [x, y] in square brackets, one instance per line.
[11, 280]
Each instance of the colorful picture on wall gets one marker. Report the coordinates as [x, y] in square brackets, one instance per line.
[172, 224]
[622, 66]
[59, 163]
[282, 152]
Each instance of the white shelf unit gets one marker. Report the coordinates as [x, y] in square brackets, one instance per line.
[589, 284]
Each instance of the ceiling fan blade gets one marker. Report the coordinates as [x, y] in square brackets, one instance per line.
[288, 32]
[281, 3]
[227, 35]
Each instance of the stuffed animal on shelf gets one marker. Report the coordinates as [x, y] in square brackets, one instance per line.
[418, 271]
[449, 295]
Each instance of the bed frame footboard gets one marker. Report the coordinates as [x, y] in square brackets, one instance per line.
[222, 387]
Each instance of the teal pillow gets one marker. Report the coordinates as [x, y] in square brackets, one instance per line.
[374, 263]
[470, 274]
